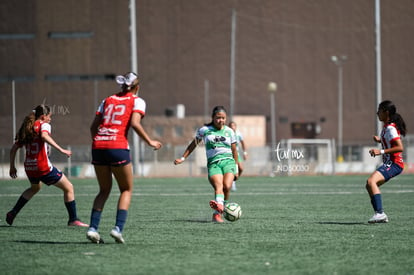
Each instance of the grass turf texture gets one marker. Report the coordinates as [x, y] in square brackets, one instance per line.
[290, 225]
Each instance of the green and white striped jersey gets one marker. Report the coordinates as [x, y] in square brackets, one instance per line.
[217, 142]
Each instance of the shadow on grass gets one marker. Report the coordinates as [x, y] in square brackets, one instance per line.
[344, 223]
[194, 220]
[49, 242]
[27, 226]
[57, 243]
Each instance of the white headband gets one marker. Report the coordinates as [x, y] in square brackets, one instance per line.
[127, 79]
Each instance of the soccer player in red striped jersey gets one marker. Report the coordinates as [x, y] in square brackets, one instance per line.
[110, 151]
[35, 135]
[392, 148]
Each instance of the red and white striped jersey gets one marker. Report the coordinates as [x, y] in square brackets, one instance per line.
[389, 134]
[37, 163]
[116, 112]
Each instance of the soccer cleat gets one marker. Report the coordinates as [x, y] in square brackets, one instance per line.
[78, 223]
[217, 206]
[10, 217]
[93, 235]
[378, 218]
[117, 235]
[217, 218]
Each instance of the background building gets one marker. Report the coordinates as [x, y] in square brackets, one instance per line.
[66, 53]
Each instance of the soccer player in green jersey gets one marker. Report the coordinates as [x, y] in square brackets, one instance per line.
[222, 158]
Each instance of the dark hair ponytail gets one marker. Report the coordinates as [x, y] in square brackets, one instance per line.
[26, 133]
[395, 117]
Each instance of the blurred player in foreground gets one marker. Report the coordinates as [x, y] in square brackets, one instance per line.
[110, 151]
[241, 147]
[222, 160]
[35, 135]
[392, 148]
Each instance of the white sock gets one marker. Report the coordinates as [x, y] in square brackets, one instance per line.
[220, 199]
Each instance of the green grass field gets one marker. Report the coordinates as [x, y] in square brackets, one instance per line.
[290, 225]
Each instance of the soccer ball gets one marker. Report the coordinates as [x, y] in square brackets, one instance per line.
[232, 211]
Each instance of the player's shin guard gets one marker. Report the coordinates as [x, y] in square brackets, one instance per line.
[377, 203]
[21, 202]
[121, 217]
[71, 207]
[220, 199]
[95, 218]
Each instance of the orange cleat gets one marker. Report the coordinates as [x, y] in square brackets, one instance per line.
[217, 206]
[217, 218]
[78, 223]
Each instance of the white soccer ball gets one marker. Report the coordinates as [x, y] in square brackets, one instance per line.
[232, 211]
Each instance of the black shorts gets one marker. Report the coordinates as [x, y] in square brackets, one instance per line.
[111, 157]
[49, 179]
[389, 170]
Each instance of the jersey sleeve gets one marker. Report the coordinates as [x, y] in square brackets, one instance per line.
[139, 106]
[100, 109]
[391, 134]
[18, 144]
[200, 133]
[46, 127]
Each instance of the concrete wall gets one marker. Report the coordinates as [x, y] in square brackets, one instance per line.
[182, 43]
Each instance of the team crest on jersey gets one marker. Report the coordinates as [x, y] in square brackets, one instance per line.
[107, 131]
[219, 139]
[106, 134]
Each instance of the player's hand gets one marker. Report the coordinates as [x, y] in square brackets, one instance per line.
[374, 152]
[376, 139]
[13, 172]
[155, 144]
[178, 161]
[68, 153]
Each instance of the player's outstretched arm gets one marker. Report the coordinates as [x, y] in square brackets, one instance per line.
[13, 170]
[47, 138]
[95, 126]
[187, 152]
[137, 126]
[376, 139]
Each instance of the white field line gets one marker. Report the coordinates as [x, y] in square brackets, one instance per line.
[238, 193]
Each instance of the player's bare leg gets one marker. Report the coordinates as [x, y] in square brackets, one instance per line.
[69, 199]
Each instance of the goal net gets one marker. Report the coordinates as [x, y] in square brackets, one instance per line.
[304, 156]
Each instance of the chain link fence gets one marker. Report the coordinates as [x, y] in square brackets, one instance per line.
[301, 159]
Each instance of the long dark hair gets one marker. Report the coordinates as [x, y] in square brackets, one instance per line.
[216, 110]
[26, 132]
[395, 117]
